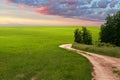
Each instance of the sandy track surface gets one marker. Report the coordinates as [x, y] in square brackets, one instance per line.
[105, 68]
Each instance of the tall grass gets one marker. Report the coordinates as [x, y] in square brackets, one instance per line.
[104, 50]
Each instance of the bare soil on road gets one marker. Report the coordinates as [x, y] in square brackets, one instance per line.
[104, 67]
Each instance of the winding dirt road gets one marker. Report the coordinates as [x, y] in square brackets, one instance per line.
[105, 68]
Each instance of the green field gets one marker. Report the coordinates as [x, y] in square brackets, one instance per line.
[32, 53]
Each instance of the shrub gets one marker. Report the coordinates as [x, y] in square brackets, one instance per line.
[87, 37]
[77, 36]
[105, 44]
[83, 36]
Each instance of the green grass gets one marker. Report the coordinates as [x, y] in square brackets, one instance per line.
[103, 50]
[33, 52]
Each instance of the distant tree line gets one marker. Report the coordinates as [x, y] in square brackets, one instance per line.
[110, 30]
[83, 36]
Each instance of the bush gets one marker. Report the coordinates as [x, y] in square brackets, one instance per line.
[105, 44]
[77, 36]
[83, 36]
[87, 37]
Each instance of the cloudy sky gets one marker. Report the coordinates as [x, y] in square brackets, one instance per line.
[56, 12]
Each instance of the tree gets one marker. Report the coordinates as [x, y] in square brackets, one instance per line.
[77, 36]
[83, 36]
[87, 37]
[110, 31]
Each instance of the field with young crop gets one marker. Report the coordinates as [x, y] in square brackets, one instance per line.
[32, 53]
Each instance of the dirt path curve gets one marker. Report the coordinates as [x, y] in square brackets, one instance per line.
[105, 68]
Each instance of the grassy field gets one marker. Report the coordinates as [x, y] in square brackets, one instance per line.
[32, 53]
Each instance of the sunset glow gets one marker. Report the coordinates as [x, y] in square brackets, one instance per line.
[56, 12]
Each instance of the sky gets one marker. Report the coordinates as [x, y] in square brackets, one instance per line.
[56, 12]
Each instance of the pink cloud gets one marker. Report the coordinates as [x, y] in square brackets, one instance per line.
[7, 1]
[43, 10]
[21, 6]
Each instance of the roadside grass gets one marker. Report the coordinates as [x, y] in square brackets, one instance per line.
[104, 50]
[32, 53]
[116, 72]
